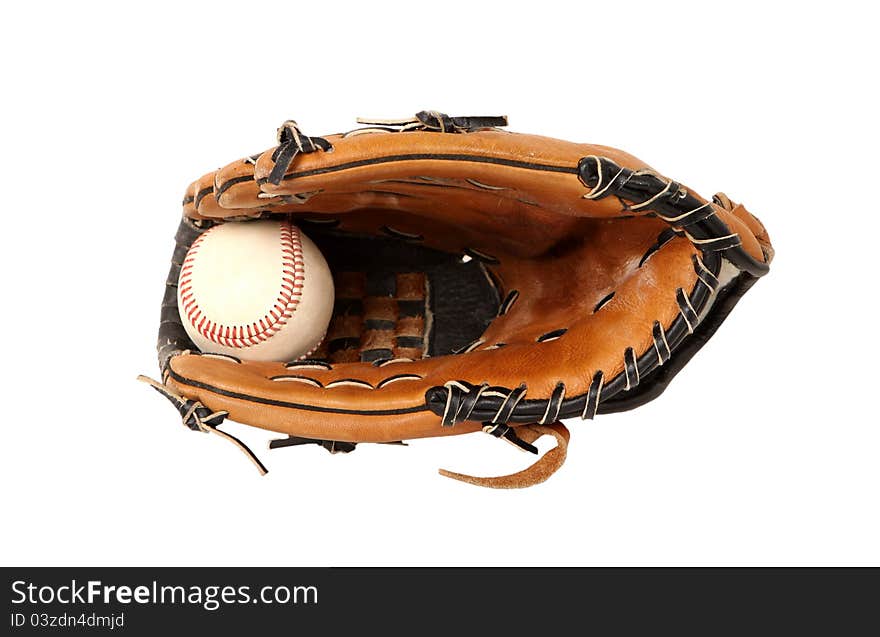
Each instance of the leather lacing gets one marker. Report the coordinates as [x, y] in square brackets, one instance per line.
[545, 467]
[437, 121]
[291, 142]
[197, 417]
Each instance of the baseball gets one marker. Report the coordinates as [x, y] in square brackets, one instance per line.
[256, 290]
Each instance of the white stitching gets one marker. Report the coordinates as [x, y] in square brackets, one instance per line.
[223, 357]
[349, 382]
[297, 379]
[261, 330]
[480, 391]
[713, 239]
[684, 316]
[480, 184]
[660, 359]
[449, 385]
[394, 379]
[598, 397]
[599, 189]
[648, 202]
[522, 392]
[685, 214]
[395, 360]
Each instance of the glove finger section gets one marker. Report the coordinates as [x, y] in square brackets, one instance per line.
[194, 193]
[751, 221]
[314, 401]
[204, 202]
[755, 240]
[536, 169]
[235, 188]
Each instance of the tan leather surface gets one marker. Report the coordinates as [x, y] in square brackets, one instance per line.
[561, 295]
[556, 191]
[750, 243]
[756, 228]
[561, 252]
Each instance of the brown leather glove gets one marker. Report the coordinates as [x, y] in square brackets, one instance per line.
[485, 280]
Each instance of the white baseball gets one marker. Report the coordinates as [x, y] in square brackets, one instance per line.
[256, 290]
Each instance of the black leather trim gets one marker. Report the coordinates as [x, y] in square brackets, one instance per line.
[672, 202]
[655, 384]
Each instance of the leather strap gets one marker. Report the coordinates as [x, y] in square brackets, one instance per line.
[199, 418]
[440, 122]
[537, 473]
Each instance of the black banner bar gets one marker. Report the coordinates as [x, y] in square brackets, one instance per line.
[290, 601]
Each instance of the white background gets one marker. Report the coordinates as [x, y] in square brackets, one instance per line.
[764, 450]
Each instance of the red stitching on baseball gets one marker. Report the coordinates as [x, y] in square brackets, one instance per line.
[289, 295]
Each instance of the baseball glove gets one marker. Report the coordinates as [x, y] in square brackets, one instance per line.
[485, 281]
